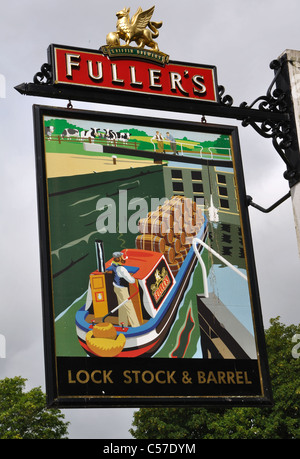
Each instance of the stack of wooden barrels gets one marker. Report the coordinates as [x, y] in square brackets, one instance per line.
[170, 230]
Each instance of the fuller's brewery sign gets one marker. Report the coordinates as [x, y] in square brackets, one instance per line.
[119, 73]
[142, 72]
[150, 294]
[133, 69]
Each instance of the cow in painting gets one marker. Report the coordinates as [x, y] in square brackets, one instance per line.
[68, 132]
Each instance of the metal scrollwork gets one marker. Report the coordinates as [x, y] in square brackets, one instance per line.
[44, 76]
[226, 100]
[274, 101]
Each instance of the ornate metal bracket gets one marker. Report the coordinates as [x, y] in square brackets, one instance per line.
[279, 131]
[226, 100]
[44, 76]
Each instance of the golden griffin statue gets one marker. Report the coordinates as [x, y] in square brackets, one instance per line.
[135, 29]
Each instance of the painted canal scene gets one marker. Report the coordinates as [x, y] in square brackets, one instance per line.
[146, 242]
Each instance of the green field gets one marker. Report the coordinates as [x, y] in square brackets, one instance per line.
[144, 143]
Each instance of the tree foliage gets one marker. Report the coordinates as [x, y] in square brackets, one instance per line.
[281, 421]
[23, 415]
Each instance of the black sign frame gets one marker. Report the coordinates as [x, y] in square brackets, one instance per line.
[75, 381]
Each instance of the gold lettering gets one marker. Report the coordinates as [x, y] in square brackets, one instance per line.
[78, 376]
[239, 377]
[106, 377]
[161, 289]
[200, 84]
[154, 75]
[94, 379]
[70, 380]
[133, 78]
[170, 377]
[157, 377]
[211, 378]
[148, 377]
[221, 377]
[230, 377]
[96, 376]
[115, 78]
[136, 375]
[99, 70]
[176, 83]
[144, 377]
[201, 377]
[70, 63]
[247, 381]
[126, 375]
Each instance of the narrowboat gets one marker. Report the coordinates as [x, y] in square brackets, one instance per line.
[161, 277]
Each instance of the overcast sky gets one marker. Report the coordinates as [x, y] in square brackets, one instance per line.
[240, 38]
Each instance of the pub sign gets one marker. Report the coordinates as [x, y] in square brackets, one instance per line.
[149, 287]
[124, 74]
[142, 72]
[150, 294]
